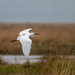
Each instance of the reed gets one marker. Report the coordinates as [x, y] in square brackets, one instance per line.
[53, 39]
[53, 66]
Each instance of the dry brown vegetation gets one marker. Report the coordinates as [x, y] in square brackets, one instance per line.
[53, 38]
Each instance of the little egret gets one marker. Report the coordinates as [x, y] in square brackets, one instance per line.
[25, 40]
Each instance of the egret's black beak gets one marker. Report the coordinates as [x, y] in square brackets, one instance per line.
[37, 34]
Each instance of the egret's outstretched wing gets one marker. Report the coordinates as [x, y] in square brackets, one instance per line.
[26, 46]
[25, 31]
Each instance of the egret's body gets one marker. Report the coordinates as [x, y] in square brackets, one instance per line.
[26, 44]
[25, 40]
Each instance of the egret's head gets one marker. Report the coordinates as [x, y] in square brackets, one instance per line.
[33, 34]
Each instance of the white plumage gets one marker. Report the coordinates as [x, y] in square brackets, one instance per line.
[24, 38]
[26, 44]
[25, 31]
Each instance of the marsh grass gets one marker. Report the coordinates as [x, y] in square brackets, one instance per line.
[53, 66]
[53, 38]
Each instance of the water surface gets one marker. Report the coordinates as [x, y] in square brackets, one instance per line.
[21, 59]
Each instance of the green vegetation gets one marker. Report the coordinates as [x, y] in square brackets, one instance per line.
[53, 66]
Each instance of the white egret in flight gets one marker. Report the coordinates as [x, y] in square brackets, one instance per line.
[25, 40]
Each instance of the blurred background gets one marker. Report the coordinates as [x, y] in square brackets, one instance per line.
[54, 20]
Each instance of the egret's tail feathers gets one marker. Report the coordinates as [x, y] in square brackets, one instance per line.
[13, 41]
